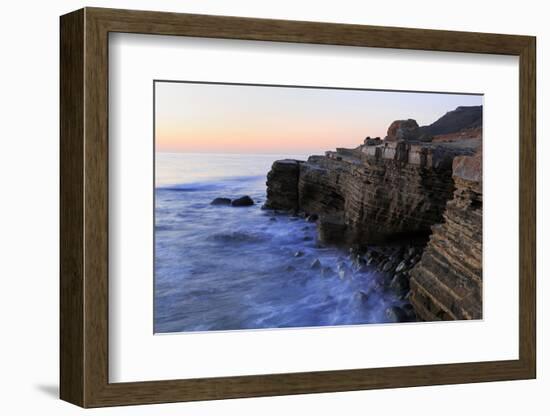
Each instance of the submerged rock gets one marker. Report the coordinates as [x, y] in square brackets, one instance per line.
[359, 261]
[388, 265]
[327, 272]
[343, 270]
[221, 201]
[401, 266]
[362, 269]
[316, 264]
[400, 283]
[373, 258]
[299, 253]
[244, 201]
[363, 296]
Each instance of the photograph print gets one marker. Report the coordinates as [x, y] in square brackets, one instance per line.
[301, 207]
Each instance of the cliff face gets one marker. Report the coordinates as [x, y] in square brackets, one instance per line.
[406, 190]
[447, 282]
[282, 185]
[371, 194]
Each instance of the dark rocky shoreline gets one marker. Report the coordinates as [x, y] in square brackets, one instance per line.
[408, 206]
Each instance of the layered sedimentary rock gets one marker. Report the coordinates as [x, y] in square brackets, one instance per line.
[447, 282]
[370, 194]
[420, 184]
[282, 185]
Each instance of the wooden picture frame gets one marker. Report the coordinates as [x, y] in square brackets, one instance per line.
[84, 207]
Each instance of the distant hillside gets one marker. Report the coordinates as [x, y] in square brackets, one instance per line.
[462, 118]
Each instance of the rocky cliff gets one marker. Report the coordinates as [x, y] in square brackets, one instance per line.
[447, 282]
[402, 190]
[371, 194]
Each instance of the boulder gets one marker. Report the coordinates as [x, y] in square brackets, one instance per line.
[401, 266]
[244, 201]
[221, 201]
[342, 273]
[343, 270]
[403, 130]
[363, 295]
[400, 284]
[388, 265]
[316, 264]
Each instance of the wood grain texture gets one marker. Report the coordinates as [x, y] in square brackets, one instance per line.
[71, 208]
[527, 208]
[84, 207]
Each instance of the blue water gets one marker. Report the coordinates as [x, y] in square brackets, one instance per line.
[228, 268]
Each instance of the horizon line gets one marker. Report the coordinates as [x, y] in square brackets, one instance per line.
[239, 153]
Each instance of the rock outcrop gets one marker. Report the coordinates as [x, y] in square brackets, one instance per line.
[282, 185]
[447, 282]
[371, 194]
[403, 130]
[221, 201]
[243, 201]
[418, 186]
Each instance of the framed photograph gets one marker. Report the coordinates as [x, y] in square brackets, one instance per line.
[255, 207]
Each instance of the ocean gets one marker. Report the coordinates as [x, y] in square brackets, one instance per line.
[220, 268]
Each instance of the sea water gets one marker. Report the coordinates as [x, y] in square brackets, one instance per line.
[235, 268]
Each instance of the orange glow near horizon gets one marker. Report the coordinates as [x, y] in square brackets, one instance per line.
[220, 118]
[255, 139]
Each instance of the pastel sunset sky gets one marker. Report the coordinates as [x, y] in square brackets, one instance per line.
[221, 118]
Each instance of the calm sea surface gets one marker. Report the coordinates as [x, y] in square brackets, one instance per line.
[227, 268]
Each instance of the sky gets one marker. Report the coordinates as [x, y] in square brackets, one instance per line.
[222, 118]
